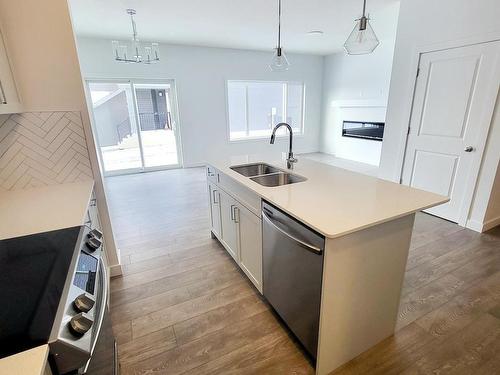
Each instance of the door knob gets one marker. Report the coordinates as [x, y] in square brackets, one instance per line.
[469, 149]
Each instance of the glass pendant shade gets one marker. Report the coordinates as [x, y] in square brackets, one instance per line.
[279, 62]
[136, 49]
[362, 39]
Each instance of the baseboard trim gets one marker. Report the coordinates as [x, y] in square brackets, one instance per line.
[474, 225]
[482, 227]
[490, 224]
[115, 270]
[194, 165]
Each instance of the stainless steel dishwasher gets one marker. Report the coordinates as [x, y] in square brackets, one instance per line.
[293, 269]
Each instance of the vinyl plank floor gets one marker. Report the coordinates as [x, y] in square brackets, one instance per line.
[183, 306]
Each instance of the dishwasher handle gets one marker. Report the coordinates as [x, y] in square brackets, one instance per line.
[305, 245]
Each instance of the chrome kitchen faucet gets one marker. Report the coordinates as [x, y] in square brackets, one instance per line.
[290, 160]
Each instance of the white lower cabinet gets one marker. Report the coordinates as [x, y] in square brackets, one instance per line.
[228, 208]
[250, 245]
[239, 230]
[215, 212]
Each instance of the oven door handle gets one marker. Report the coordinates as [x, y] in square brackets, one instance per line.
[102, 304]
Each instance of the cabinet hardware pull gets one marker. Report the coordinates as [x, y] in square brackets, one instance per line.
[214, 193]
[4, 98]
[232, 212]
[236, 217]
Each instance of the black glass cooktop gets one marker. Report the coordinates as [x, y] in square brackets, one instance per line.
[33, 270]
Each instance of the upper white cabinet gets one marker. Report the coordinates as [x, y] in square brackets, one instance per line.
[9, 97]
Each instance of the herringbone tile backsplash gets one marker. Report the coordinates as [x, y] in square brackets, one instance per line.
[42, 148]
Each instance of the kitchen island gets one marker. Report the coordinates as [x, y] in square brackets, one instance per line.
[366, 224]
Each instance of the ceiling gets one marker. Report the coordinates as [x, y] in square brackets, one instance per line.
[246, 24]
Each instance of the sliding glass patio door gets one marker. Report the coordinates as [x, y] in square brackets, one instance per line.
[135, 125]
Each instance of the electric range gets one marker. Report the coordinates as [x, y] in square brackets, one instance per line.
[54, 291]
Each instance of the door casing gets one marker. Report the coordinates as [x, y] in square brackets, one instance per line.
[486, 120]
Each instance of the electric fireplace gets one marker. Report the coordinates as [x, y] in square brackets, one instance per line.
[363, 129]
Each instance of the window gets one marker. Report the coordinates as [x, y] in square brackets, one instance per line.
[255, 107]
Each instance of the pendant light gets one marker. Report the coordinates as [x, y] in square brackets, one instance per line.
[362, 39]
[279, 62]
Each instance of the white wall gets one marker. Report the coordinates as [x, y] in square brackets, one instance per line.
[356, 88]
[427, 23]
[41, 48]
[493, 211]
[485, 208]
[200, 74]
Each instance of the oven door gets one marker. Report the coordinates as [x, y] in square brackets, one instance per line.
[104, 359]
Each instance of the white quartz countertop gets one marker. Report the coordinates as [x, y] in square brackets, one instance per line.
[46, 208]
[29, 362]
[335, 201]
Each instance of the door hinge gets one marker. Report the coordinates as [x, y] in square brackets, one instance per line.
[409, 128]
[418, 71]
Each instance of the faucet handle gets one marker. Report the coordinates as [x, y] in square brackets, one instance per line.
[291, 160]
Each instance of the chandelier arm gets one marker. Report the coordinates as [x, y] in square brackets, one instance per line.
[134, 28]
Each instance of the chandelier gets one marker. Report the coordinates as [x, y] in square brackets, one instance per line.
[146, 53]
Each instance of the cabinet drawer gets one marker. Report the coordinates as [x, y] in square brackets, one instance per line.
[242, 194]
[212, 174]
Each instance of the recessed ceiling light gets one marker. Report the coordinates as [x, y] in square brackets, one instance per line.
[315, 32]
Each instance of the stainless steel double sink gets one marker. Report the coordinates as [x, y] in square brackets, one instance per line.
[267, 175]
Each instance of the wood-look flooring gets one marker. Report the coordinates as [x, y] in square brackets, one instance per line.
[182, 305]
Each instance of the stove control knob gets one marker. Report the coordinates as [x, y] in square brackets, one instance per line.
[81, 323]
[93, 243]
[95, 233]
[84, 302]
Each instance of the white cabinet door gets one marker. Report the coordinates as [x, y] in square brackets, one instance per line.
[250, 244]
[9, 98]
[229, 224]
[215, 213]
[455, 90]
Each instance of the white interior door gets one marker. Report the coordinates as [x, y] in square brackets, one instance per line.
[455, 91]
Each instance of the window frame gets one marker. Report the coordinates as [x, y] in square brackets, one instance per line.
[298, 134]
